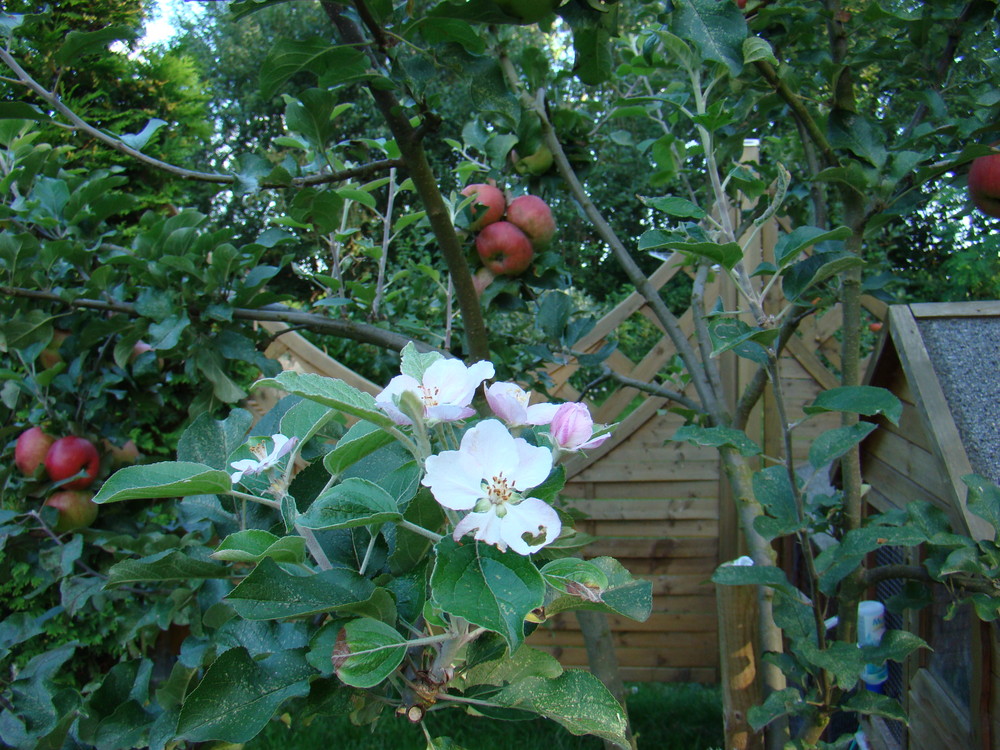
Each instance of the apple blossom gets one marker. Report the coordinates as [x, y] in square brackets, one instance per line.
[510, 402]
[488, 476]
[264, 460]
[572, 428]
[446, 391]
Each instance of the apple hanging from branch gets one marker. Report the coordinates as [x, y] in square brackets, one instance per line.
[69, 456]
[984, 184]
[532, 215]
[487, 206]
[31, 448]
[77, 510]
[504, 249]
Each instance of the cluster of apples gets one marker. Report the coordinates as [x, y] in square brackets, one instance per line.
[62, 459]
[508, 235]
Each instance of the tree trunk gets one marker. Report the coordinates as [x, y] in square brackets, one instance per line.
[604, 661]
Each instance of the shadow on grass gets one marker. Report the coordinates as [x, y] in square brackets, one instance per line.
[665, 716]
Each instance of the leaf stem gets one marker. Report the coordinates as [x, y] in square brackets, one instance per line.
[433, 536]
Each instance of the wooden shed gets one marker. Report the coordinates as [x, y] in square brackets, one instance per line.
[942, 360]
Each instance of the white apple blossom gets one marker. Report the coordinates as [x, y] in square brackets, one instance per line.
[282, 446]
[510, 402]
[572, 428]
[488, 476]
[446, 391]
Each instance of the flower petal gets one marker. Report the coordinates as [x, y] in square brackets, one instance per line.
[488, 528]
[493, 447]
[509, 402]
[534, 517]
[534, 463]
[541, 413]
[454, 479]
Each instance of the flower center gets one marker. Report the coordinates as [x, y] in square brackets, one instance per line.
[430, 395]
[498, 491]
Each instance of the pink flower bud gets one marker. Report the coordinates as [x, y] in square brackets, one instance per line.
[572, 428]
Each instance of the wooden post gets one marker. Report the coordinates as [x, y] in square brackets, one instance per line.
[737, 609]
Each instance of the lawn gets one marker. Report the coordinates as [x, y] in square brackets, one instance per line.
[664, 716]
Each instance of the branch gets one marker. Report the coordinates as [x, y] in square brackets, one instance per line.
[653, 389]
[755, 388]
[362, 332]
[426, 185]
[188, 174]
[799, 111]
[710, 400]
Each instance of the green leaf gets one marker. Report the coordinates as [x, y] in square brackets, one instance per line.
[874, 704]
[716, 437]
[169, 565]
[331, 392]
[362, 439]
[140, 139]
[253, 545]
[386, 649]
[833, 444]
[554, 312]
[777, 704]
[814, 270]
[984, 499]
[718, 29]
[858, 399]
[354, 502]
[773, 489]
[621, 595]
[311, 116]
[270, 593]
[853, 132]
[749, 342]
[753, 575]
[291, 56]
[575, 699]
[489, 588]
[211, 441]
[726, 254]
[790, 245]
[238, 695]
[164, 479]
[22, 111]
[523, 663]
[672, 206]
[80, 43]
[415, 363]
[755, 48]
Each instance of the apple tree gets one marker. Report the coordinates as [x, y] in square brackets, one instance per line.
[333, 570]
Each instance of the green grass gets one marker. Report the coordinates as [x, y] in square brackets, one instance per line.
[664, 717]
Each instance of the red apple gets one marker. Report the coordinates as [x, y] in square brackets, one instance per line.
[30, 449]
[875, 327]
[504, 249]
[77, 510]
[71, 455]
[532, 215]
[487, 207]
[984, 184]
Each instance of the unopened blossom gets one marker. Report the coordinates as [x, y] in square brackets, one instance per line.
[488, 476]
[264, 460]
[510, 402]
[446, 391]
[572, 428]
